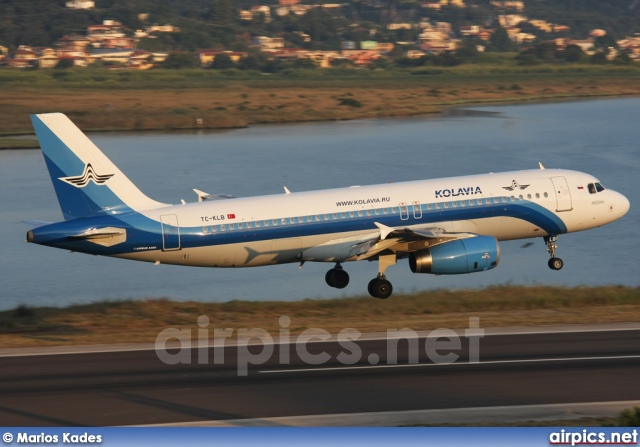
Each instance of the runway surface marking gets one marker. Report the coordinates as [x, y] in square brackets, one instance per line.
[427, 365]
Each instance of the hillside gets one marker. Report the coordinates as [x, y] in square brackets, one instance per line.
[216, 23]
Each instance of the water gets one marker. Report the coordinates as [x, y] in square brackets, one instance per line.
[600, 137]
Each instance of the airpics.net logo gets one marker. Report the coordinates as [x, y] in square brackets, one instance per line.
[592, 437]
[256, 346]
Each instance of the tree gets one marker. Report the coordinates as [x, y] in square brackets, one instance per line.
[222, 61]
[64, 63]
[221, 11]
[467, 50]
[573, 53]
[500, 40]
[180, 60]
[599, 58]
[604, 43]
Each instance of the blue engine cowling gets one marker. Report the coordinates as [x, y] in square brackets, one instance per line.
[474, 254]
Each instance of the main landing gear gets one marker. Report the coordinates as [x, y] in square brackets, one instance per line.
[379, 287]
[554, 263]
[336, 277]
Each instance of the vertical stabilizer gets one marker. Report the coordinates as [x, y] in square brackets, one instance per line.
[86, 182]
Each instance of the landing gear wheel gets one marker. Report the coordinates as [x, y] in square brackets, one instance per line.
[555, 263]
[340, 279]
[337, 278]
[329, 277]
[380, 288]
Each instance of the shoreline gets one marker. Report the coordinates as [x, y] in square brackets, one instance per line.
[440, 109]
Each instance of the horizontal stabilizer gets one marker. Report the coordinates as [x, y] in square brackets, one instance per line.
[202, 196]
[106, 237]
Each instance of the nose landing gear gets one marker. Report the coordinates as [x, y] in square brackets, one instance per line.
[554, 263]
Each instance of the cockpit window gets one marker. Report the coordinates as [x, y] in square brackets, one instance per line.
[599, 187]
[592, 188]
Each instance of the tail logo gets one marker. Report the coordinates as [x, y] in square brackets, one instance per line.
[515, 185]
[89, 175]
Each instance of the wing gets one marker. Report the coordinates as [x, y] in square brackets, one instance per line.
[403, 240]
[386, 240]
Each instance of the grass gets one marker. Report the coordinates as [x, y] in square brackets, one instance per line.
[186, 99]
[18, 143]
[141, 321]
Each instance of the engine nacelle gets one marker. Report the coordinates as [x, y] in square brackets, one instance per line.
[474, 254]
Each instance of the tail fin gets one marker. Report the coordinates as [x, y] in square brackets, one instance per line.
[85, 180]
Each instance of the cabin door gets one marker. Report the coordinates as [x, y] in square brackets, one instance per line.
[170, 232]
[562, 193]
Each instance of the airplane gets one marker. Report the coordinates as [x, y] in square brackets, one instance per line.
[443, 226]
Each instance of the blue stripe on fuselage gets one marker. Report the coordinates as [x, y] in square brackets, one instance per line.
[144, 233]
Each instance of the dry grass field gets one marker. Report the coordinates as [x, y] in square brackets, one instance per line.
[160, 103]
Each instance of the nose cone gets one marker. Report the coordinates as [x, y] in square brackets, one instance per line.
[622, 205]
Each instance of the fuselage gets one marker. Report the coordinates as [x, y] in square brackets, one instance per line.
[324, 225]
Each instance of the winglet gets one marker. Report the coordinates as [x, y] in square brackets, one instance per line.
[286, 190]
[384, 230]
[541, 167]
[202, 196]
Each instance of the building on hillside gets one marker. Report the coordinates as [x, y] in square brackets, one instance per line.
[518, 5]
[140, 60]
[561, 28]
[23, 57]
[268, 43]
[542, 25]
[106, 35]
[47, 57]
[74, 42]
[415, 54]
[80, 4]
[630, 45]
[507, 20]
[397, 26]
[470, 30]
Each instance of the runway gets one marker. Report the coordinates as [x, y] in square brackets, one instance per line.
[515, 368]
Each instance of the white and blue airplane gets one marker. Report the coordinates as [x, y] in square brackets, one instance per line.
[444, 226]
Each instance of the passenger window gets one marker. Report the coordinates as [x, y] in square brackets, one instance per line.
[360, 213]
[520, 197]
[592, 188]
[537, 195]
[205, 230]
[222, 228]
[463, 203]
[214, 228]
[446, 204]
[368, 212]
[546, 195]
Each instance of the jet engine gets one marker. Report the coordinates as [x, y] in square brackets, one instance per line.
[474, 254]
